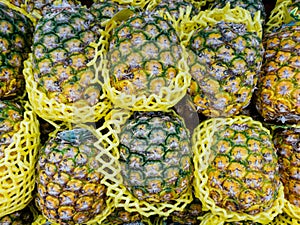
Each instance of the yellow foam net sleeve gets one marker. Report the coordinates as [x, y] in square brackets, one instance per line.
[284, 219]
[278, 15]
[226, 14]
[167, 96]
[123, 198]
[201, 139]
[77, 112]
[17, 167]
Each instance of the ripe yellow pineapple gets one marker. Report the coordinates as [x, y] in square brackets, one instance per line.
[69, 184]
[278, 93]
[237, 170]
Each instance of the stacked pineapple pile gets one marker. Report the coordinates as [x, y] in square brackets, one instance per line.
[101, 102]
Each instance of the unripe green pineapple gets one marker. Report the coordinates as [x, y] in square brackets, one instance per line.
[224, 62]
[278, 93]
[287, 144]
[61, 52]
[15, 41]
[155, 156]
[11, 115]
[253, 6]
[69, 186]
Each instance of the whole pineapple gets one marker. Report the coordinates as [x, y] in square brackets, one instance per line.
[143, 61]
[11, 115]
[225, 60]
[155, 156]
[68, 184]
[287, 144]
[278, 93]
[16, 32]
[253, 6]
[61, 52]
[239, 160]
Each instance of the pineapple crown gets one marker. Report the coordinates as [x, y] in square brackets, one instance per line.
[75, 136]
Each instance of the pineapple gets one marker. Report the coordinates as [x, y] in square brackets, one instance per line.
[61, 52]
[278, 93]
[11, 115]
[143, 63]
[155, 156]
[16, 32]
[68, 184]
[253, 6]
[225, 61]
[287, 144]
[21, 217]
[240, 165]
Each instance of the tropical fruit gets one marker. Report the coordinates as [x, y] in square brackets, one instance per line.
[278, 93]
[145, 68]
[62, 78]
[16, 32]
[69, 184]
[155, 156]
[287, 144]
[225, 61]
[155, 167]
[237, 170]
